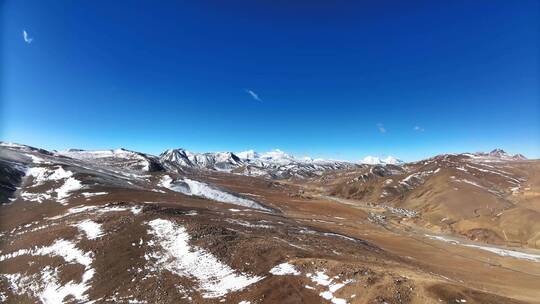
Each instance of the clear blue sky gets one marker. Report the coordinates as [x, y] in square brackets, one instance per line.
[329, 76]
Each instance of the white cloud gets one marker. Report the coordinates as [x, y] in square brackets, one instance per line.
[254, 95]
[26, 37]
[418, 129]
[381, 128]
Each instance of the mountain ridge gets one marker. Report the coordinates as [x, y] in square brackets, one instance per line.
[231, 161]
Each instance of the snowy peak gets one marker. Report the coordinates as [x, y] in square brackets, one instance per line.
[119, 158]
[278, 164]
[495, 155]
[25, 148]
[276, 155]
[272, 164]
[249, 154]
[503, 154]
[371, 160]
[226, 157]
[375, 160]
[498, 153]
[178, 156]
[519, 156]
[220, 161]
[391, 160]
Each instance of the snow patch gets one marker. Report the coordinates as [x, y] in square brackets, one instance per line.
[36, 197]
[178, 256]
[192, 187]
[35, 159]
[90, 194]
[320, 278]
[45, 285]
[135, 210]
[42, 174]
[70, 185]
[248, 224]
[91, 229]
[97, 209]
[496, 250]
[284, 269]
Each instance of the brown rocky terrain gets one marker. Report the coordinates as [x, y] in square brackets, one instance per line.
[76, 230]
[490, 198]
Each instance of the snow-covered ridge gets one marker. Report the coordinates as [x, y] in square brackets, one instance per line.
[192, 187]
[229, 160]
[274, 156]
[273, 164]
[116, 158]
[495, 155]
[277, 156]
[249, 154]
[221, 161]
[375, 160]
[12, 145]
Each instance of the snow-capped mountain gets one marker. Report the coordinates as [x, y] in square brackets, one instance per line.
[119, 158]
[249, 154]
[278, 164]
[277, 156]
[271, 157]
[272, 164]
[495, 155]
[220, 161]
[374, 160]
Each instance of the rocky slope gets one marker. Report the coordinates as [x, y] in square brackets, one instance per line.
[484, 196]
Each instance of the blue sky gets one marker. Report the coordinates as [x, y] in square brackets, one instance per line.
[334, 79]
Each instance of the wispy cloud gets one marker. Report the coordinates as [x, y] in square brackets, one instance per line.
[26, 37]
[381, 128]
[253, 95]
[418, 129]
